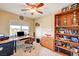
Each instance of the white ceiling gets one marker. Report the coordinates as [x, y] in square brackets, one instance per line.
[48, 8]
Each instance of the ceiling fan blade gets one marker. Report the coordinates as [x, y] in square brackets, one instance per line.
[39, 12]
[24, 9]
[31, 5]
[40, 5]
[28, 4]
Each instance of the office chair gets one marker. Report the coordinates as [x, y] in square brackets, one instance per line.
[29, 44]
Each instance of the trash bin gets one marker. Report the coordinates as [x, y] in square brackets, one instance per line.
[37, 40]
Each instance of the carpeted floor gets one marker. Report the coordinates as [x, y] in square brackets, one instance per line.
[38, 51]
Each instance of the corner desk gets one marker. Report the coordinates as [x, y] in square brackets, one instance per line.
[8, 47]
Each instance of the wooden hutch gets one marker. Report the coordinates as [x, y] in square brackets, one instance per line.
[67, 32]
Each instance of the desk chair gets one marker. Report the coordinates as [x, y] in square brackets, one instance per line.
[29, 44]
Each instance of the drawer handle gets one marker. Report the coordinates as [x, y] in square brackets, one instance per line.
[1, 48]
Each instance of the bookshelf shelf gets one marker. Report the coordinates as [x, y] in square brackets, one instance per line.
[67, 49]
[67, 34]
[68, 12]
[77, 27]
[67, 41]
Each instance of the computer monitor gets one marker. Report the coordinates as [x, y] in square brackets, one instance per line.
[21, 33]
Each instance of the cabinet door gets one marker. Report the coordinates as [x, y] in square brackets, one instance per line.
[7, 48]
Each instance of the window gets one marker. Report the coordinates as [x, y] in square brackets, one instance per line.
[25, 29]
[15, 28]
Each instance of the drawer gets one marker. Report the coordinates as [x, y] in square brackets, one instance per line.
[7, 44]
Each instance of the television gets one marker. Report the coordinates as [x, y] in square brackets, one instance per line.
[21, 33]
[74, 39]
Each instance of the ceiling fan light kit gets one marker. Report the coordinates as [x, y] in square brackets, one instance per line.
[33, 8]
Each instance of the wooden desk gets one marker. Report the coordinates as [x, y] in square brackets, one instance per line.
[13, 39]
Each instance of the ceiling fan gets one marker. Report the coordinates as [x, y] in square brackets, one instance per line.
[33, 7]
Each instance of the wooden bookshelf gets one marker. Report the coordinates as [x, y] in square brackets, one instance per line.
[64, 21]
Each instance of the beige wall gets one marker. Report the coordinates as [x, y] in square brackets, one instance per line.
[46, 26]
[46, 23]
[7, 18]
